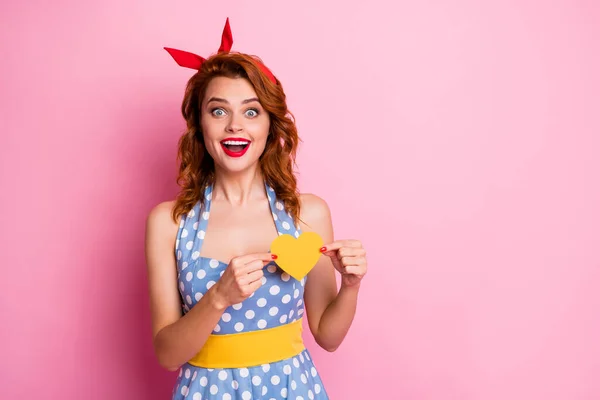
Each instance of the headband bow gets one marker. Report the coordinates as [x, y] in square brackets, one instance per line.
[193, 61]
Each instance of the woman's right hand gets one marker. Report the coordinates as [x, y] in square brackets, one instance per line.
[242, 277]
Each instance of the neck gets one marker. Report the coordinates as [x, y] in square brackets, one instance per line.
[238, 188]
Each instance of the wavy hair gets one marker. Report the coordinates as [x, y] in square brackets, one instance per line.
[196, 166]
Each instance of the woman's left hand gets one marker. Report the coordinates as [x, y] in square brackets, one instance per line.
[349, 258]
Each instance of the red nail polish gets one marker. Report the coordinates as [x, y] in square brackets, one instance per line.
[322, 249]
[274, 256]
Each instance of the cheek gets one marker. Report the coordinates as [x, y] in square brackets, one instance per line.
[211, 126]
[208, 136]
[261, 130]
[210, 143]
[210, 132]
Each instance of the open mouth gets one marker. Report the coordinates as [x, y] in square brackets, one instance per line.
[235, 147]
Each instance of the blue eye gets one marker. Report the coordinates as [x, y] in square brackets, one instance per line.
[252, 112]
[218, 112]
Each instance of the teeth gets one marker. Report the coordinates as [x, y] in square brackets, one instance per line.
[235, 142]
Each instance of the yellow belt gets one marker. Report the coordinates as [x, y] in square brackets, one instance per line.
[253, 348]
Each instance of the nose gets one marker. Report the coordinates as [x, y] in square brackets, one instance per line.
[234, 124]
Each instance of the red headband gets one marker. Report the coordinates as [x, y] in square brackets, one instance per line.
[190, 60]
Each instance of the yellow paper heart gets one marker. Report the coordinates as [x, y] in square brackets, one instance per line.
[297, 256]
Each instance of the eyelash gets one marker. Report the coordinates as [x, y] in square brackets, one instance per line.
[212, 111]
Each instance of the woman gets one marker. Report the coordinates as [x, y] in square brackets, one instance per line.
[223, 312]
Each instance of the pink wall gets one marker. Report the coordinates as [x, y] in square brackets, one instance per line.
[464, 138]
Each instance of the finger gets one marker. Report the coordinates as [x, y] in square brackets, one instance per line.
[338, 244]
[253, 277]
[254, 286]
[332, 253]
[333, 246]
[354, 243]
[255, 265]
[245, 259]
[354, 270]
[351, 251]
[351, 260]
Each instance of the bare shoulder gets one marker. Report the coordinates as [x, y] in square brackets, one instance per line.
[161, 210]
[314, 212]
[159, 218]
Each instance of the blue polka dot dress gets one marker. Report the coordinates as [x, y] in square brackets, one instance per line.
[277, 302]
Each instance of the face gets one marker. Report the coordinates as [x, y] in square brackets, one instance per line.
[234, 124]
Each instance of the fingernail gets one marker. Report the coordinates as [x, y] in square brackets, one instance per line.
[322, 249]
[274, 256]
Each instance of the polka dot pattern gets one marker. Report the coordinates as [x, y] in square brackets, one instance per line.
[280, 380]
[278, 301]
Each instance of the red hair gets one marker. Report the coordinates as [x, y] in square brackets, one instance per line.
[196, 166]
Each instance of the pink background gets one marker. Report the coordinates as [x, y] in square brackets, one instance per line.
[463, 137]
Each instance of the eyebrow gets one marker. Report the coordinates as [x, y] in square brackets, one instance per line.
[220, 100]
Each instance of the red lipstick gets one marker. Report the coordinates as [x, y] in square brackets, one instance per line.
[235, 147]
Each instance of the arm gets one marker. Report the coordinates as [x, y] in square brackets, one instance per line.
[330, 313]
[176, 338]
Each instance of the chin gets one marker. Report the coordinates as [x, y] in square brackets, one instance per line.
[237, 166]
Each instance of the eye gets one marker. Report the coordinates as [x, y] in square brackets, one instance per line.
[217, 112]
[253, 112]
